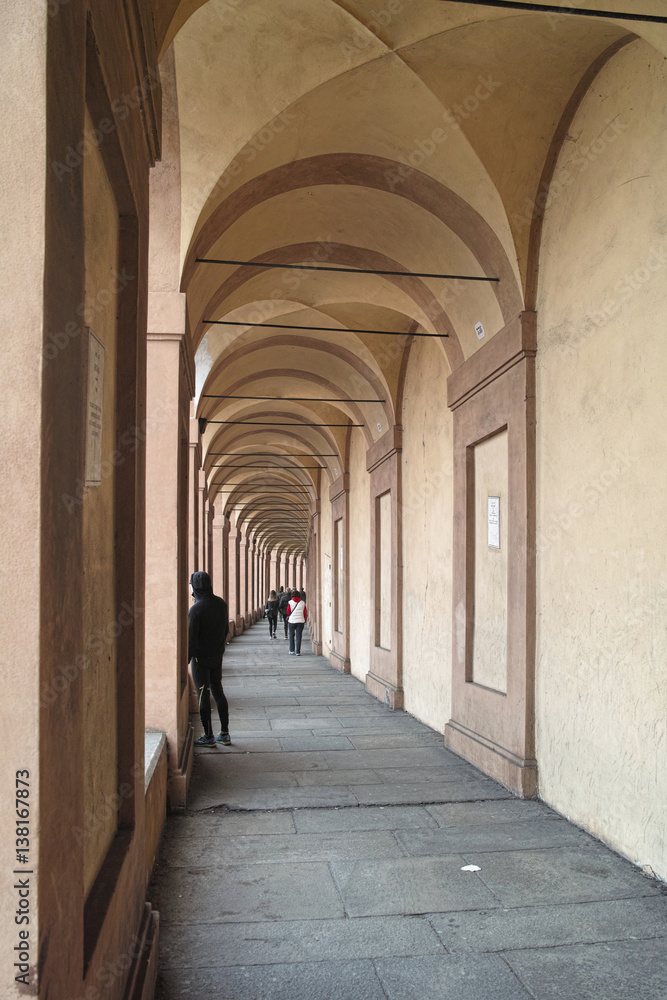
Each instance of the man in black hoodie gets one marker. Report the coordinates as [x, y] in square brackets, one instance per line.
[207, 634]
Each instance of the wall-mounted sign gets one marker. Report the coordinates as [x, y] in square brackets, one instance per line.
[94, 410]
[493, 511]
[479, 330]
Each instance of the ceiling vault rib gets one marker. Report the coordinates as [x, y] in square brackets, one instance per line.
[323, 329]
[551, 8]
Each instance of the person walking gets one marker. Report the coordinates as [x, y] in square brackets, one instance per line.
[297, 616]
[283, 601]
[271, 611]
[208, 624]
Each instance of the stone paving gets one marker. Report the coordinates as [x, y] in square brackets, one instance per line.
[321, 858]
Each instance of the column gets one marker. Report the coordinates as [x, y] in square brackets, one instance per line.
[233, 564]
[170, 386]
[218, 554]
[194, 465]
[243, 580]
[203, 520]
[274, 570]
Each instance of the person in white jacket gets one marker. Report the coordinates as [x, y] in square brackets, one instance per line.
[297, 616]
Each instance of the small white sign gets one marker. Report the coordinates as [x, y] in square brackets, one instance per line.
[493, 510]
[94, 410]
[380, 427]
[479, 330]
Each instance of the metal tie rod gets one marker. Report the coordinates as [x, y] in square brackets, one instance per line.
[325, 329]
[345, 270]
[272, 423]
[271, 454]
[295, 399]
[549, 8]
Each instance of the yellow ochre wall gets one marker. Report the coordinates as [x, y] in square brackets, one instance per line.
[360, 558]
[427, 536]
[601, 471]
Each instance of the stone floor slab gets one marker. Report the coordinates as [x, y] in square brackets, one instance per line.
[505, 810]
[491, 837]
[247, 892]
[626, 970]
[229, 824]
[315, 743]
[191, 946]
[550, 926]
[364, 818]
[214, 851]
[450, 977]
[409, 885]
[308, 981]
[561, 875]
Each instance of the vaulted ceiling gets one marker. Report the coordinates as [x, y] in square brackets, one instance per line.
[409, 136]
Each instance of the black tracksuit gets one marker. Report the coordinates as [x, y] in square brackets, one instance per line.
[208, 624]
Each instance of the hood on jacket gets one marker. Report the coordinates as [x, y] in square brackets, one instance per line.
[201, 584]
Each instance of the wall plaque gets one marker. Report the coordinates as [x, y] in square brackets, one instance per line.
[493, 522]
[94, 410]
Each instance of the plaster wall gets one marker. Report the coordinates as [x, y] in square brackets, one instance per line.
[360, 557]
[383, 553]
[326, 550]
[427, 536]
[602, 478]
[99, 679]
[22, 211]
[489, 661]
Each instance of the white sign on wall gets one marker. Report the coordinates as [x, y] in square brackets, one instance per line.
[94, 410]
[493, 512]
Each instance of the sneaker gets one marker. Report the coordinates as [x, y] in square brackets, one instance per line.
[224, 738]
[291, 653]
[205, 741]
[298, 654]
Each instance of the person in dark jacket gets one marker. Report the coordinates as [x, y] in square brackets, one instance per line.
[271, 612]
[208, 623]
[283, 601]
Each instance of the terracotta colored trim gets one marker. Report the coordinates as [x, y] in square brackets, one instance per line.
[505, 349]
[384, 679]
[384, 448]
[349, 256]
[338, 487]
[224, 363]
[405, 360]
[551, 160]
[265, 373]
[378, 173]
[496, 730]
[339, 496]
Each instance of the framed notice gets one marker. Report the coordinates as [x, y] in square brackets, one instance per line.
[493, 514]
[94, 410]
